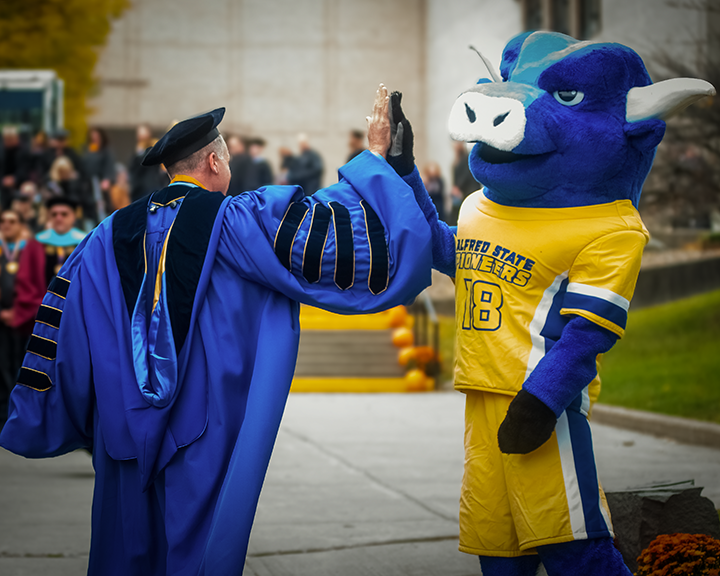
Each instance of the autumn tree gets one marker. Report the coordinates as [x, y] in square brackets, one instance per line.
[63, 35]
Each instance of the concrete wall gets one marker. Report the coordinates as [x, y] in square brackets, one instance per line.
[452, 68]
[660, 284]
[279, 66]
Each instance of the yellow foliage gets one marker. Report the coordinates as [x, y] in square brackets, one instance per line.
[62, 35]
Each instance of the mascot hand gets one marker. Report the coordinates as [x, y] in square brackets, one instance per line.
[400, 155]
[527, 425]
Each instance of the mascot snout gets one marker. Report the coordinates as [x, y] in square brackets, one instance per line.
[495, 120]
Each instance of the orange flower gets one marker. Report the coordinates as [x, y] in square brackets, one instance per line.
[680, 555]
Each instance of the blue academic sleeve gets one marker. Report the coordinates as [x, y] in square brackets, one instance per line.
[51, 407]
[361, 245]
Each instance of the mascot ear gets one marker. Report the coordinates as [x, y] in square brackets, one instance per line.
[645, 135]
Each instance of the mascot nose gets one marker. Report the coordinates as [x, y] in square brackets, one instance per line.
[495, 120]
[499, 119]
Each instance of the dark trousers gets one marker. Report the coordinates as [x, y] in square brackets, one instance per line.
[12, 351]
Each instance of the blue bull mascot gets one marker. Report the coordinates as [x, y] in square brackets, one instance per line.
[545, 260]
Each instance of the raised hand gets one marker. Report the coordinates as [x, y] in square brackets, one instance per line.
[379, 123]
[400, 156]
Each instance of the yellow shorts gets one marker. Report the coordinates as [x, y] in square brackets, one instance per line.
[512, 503]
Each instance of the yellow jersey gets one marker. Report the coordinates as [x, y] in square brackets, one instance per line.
[521, 273]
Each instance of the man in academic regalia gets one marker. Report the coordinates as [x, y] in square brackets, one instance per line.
[167, 342]
[62, 237]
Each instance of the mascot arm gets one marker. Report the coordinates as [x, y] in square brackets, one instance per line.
[601, 284]
[400, 157]
[443, 236]
[557, 380]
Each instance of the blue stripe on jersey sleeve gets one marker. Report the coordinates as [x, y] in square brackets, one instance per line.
[597, 306]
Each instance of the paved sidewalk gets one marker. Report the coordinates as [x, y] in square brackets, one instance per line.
[358, 485]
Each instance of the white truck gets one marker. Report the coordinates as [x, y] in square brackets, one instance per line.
[31, 100]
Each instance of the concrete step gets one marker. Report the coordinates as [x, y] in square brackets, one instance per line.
[348, 353]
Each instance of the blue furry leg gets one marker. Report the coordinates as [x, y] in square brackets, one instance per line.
[518, 566]
[595, 557]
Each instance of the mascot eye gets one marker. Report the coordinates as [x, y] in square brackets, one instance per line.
[569, 97]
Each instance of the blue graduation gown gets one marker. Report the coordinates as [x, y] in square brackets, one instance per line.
[180, 398]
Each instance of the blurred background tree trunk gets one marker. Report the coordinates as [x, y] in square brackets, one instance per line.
[683, 190]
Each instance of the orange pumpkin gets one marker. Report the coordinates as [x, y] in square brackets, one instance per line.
[406, 355]
[415, 379]
[424, 354]
[398, 316]
[402, 337]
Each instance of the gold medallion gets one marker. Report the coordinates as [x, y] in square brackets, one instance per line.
[49, 250]
[12, 267]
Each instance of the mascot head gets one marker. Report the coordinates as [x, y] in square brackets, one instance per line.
[568, 124]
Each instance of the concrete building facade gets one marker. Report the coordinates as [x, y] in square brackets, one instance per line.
[280, 67]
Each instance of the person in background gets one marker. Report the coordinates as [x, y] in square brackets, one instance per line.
[305, 169]
[100, 166]
[65, 181]
[356, 143]
[144, 179]
[240, 166]
[22, 287]
[38, 157]
[435, 186]
[58, 146]
[70, 178]
[62, 237]
[14, 164]
[464, 183]
[28, 202]
[261, 173]
[120, 190]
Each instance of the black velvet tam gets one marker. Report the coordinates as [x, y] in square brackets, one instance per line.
[185, 138]
[61, 200]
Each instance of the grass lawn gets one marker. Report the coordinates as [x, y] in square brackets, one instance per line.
[668, 361]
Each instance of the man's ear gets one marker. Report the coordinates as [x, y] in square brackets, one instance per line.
[645, 134]
[214, 163]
